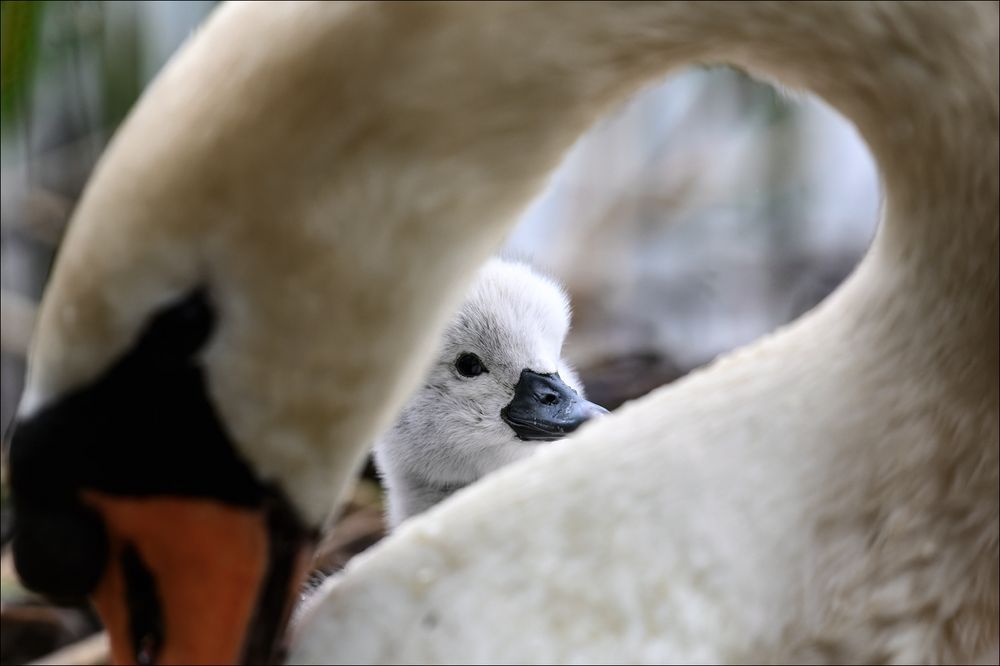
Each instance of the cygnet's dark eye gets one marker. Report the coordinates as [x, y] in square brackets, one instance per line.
[469, 365]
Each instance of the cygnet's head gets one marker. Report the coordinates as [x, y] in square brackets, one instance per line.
[497, 390]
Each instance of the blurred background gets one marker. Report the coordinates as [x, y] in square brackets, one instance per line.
[708, 211]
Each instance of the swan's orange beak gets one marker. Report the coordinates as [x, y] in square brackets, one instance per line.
[194, 581]
[129, 490]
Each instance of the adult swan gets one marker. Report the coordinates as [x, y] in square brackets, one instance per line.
[258, 271]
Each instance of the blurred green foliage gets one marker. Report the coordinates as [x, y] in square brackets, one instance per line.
[20, 29]
[86, 54]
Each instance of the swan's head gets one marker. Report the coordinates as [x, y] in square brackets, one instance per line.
[129, 489]
[498, 386]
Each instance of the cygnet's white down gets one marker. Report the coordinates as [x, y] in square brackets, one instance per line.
[501, 349]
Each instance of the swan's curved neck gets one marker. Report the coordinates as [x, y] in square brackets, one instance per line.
[471, 107]
[441, 121]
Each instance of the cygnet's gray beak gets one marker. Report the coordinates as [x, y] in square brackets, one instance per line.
[545, 408]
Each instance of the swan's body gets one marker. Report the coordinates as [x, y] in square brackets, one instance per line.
[829, 494]
[455, 430]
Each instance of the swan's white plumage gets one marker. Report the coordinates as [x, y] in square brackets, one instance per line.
[828, 494]
[791, 551]
[450, 434]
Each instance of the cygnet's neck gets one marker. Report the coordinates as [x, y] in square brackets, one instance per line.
[410, 494]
